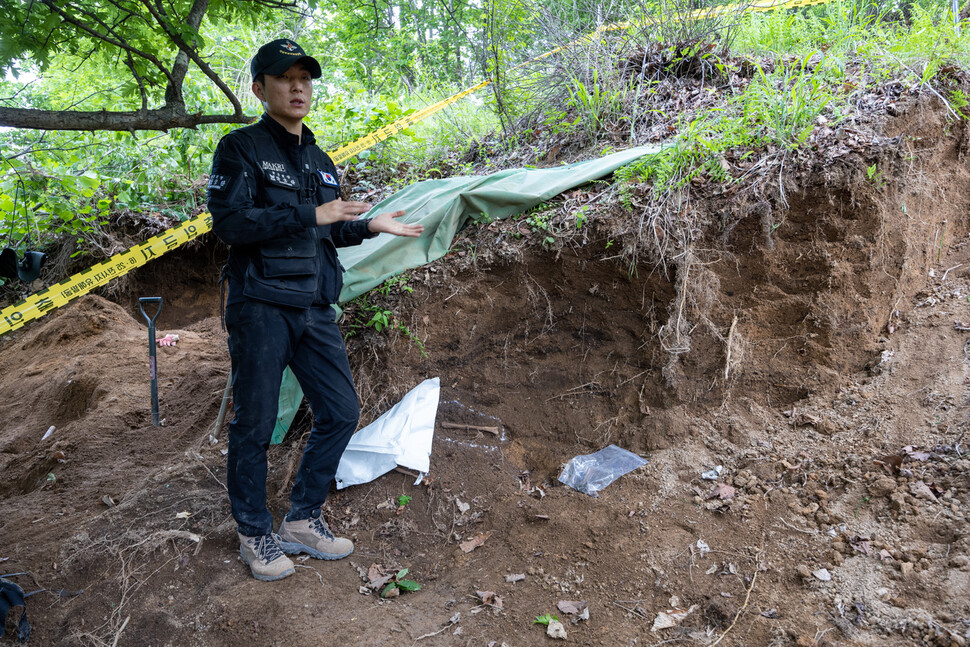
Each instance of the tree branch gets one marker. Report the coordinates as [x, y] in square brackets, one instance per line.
[164, 118]
[194, 20]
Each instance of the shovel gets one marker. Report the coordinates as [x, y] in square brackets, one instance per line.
[151, 350]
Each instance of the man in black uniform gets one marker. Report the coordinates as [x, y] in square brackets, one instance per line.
[275, 200]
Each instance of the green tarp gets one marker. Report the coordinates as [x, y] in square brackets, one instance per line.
[444, 207]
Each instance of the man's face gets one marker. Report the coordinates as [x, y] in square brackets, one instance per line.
[287, 96]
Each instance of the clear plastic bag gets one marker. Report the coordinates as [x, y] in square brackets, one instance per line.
[590, 473]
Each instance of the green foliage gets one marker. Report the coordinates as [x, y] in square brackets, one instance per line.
[778, 32]
[594, 102]
[959, 100]
[390, 45]
[340, 120]
[783, 105]
[368, 314]
[864, 28]
[545, 619]
[380, 320]
[539, 220]
[380, 52]
[126, 53]
[875, 176]
[41, 205]
[398, 582]
[403, 500]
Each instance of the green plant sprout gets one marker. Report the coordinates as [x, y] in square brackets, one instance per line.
[400, 583]
[545, 619]
[403, 500]
[875, 176]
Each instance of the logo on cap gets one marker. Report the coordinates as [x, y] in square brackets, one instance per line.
[290, 46]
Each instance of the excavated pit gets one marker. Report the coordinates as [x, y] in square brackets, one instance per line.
[765, 354]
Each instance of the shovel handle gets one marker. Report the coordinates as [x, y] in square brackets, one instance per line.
[141, 306]
[152, 366]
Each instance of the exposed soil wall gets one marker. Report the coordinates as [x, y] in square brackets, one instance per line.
[794, 346]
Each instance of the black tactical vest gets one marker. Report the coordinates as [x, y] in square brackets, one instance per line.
[299, 269]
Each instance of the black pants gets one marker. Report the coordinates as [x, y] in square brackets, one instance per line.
[263, 340]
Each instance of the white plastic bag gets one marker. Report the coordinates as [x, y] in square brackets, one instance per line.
[402, 436]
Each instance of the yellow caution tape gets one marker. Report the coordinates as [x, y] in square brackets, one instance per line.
[37, 305]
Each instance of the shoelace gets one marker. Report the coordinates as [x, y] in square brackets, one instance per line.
[267, 547]
[320, 527]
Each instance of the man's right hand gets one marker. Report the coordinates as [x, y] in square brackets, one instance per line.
[337, 210]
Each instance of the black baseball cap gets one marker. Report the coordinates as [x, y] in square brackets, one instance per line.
[279, 56]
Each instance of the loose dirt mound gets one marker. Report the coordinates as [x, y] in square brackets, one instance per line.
[816, 353]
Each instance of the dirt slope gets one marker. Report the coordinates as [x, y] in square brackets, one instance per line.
[793, 356]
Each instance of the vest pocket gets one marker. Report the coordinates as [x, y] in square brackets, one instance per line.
[293, 257]
[288, 275]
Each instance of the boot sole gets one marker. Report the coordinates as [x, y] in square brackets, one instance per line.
[294, 548]
[267, 578]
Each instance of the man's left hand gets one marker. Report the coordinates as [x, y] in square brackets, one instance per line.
[386, 223]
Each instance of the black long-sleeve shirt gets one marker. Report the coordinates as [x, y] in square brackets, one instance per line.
[263, 192]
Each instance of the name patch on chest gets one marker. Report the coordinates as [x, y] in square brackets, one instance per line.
[273, 166]
[282, 179]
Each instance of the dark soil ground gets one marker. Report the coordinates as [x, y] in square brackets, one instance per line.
[822, 363]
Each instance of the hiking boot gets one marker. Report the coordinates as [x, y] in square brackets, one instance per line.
[313, 537]
[265, 559]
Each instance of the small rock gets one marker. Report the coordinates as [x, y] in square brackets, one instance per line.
[804, 572]
[883, 486]
[883, 594]
[823, 575]
[922, 491]
[836, 558]
[556, 630]
[905, 569]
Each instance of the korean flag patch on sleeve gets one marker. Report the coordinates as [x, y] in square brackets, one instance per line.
[327, 178]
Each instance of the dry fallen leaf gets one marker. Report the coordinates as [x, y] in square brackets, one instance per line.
[890, 463]
[571, 607]
[722, 491]
[474, 542]
[916, 455]
[861, 544]
[489, 597]
[376, 577]
[671, 618]
[802, 419]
